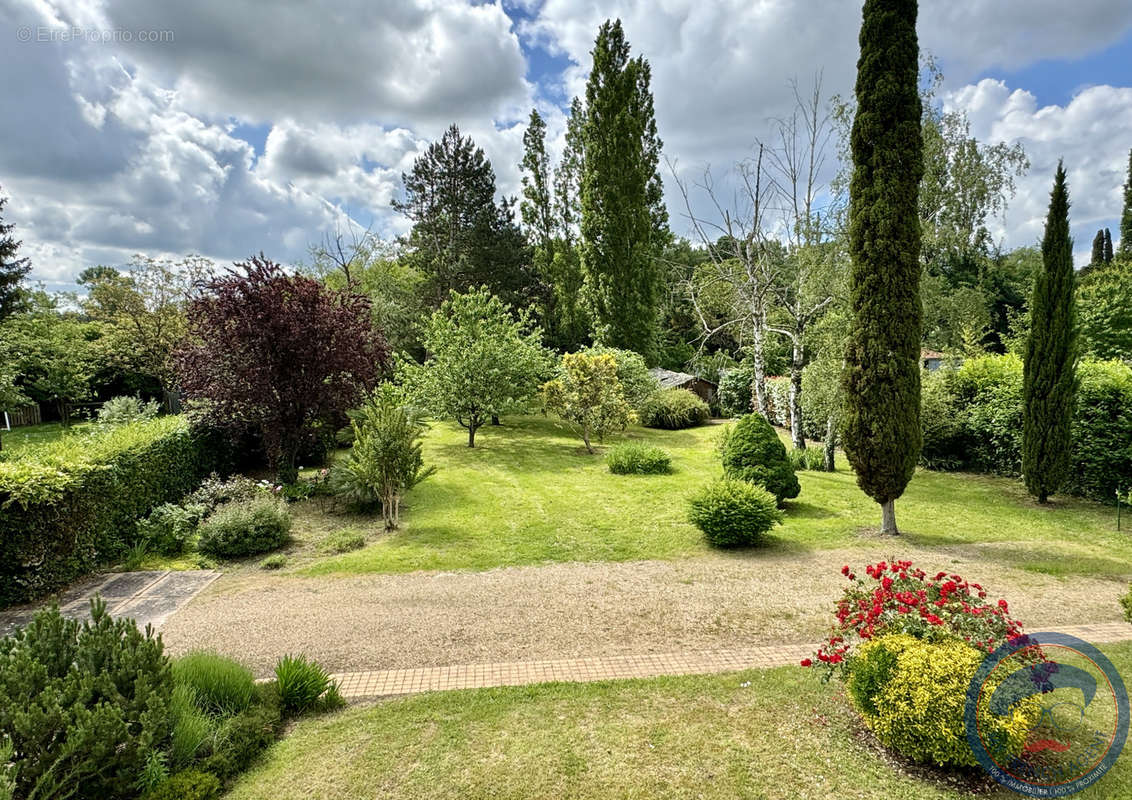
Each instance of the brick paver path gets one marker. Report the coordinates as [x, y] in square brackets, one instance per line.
[380, 683]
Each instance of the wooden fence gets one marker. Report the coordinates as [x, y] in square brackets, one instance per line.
[24, 415]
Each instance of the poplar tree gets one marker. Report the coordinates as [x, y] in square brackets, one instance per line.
[623, 220]
[1106, 250]
[882, 368]
[1049, 377]
[536, 209]
[1126, 215]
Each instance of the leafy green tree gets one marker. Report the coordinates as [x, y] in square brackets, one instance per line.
[1104, 312]
[461, 238]
[12, 269]
[882, 373]
[623, 220]
[1049, 378]
[1126, 215]
[482, 360]
[566, 277]
[385, 460]
[145, 308]
[537, 208]
[377, 269]
[588, 394]
[10, 395]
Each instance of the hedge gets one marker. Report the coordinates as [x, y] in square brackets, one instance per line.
[72, 504]
[972, 420]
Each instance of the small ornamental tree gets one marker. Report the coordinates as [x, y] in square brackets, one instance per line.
[281, 354]
[482, 360]
[386, 460]
[588, 394]
[1049, 374]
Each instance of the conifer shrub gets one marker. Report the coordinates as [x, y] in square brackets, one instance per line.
[752, 452]
[733, 513]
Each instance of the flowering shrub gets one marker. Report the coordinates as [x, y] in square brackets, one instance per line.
[912, 695]
[895, 597]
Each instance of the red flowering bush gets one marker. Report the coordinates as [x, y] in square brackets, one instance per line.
[897, 598]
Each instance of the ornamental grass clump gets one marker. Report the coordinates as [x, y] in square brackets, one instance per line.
[635, 458]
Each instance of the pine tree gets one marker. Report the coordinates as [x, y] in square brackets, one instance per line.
[882, 371]
[1097, 257]
[1107, 249]
[1126, 215]
[12, 269]
[623, 223]
[461, 238]
[1049, 378]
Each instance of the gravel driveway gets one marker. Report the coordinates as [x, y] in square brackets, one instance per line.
[574, 610]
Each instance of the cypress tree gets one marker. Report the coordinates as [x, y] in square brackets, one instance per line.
[12, 269]
[1107, 249]
[1097, 257]
[1126, 215]
[1049, 378]
[623, 221]
[882, 367]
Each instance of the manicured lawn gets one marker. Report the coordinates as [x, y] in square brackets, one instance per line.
[757, 734]
[21, 438]
[529, 493]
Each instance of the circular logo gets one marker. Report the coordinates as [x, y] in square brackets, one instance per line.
[1046, 714]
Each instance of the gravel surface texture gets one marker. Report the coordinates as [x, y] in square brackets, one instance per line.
[575, 610]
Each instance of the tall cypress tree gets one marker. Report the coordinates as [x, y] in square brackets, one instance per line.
[1126, 215]
[12, 269]
[1106, 250]
[1097, 258]
[623, 224]
[882, 360]
[1049, 376]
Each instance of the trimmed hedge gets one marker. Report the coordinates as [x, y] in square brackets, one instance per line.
[972, 420]
[68, 506]
[673, 410]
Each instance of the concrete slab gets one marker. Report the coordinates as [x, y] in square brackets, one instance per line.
[149, 598]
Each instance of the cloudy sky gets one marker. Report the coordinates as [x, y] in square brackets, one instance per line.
[226, 127]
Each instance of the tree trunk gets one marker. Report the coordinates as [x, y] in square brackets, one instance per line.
[471, 435]
[759, 358]
[586, 439]
[888, 518]
[495, 419]
[64, 417]
[797, 434]
[830, 444]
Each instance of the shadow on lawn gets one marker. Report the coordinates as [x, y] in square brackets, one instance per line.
[1032, 558]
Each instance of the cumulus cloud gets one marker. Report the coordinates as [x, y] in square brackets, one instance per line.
[1087, 133]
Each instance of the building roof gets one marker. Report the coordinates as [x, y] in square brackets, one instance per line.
[930, 354]
[669, 379]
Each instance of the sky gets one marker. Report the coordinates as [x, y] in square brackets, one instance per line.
[230, 127]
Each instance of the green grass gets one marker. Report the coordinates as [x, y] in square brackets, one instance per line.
[22, 438]
[528, 493]
[757, 734]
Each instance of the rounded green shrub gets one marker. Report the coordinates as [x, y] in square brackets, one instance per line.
[169, 526]
[912, 695]
[636, 458]
[733, 513]
[674, 409]
[191, 784]
[245, 527]
[753, 452]
[125, 409]
[221, 685]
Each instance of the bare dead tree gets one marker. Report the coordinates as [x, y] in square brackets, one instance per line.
[342, 250]
[742, 263]
[805, 288]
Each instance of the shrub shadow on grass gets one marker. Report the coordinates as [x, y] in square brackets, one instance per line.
[1044, 561]
[801, 510]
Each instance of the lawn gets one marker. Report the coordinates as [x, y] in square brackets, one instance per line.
[528, 493]
[757, 734]
[22, 438]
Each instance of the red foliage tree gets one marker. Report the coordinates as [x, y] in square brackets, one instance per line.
[281, 354]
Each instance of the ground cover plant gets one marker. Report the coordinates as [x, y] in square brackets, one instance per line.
[773, 734]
